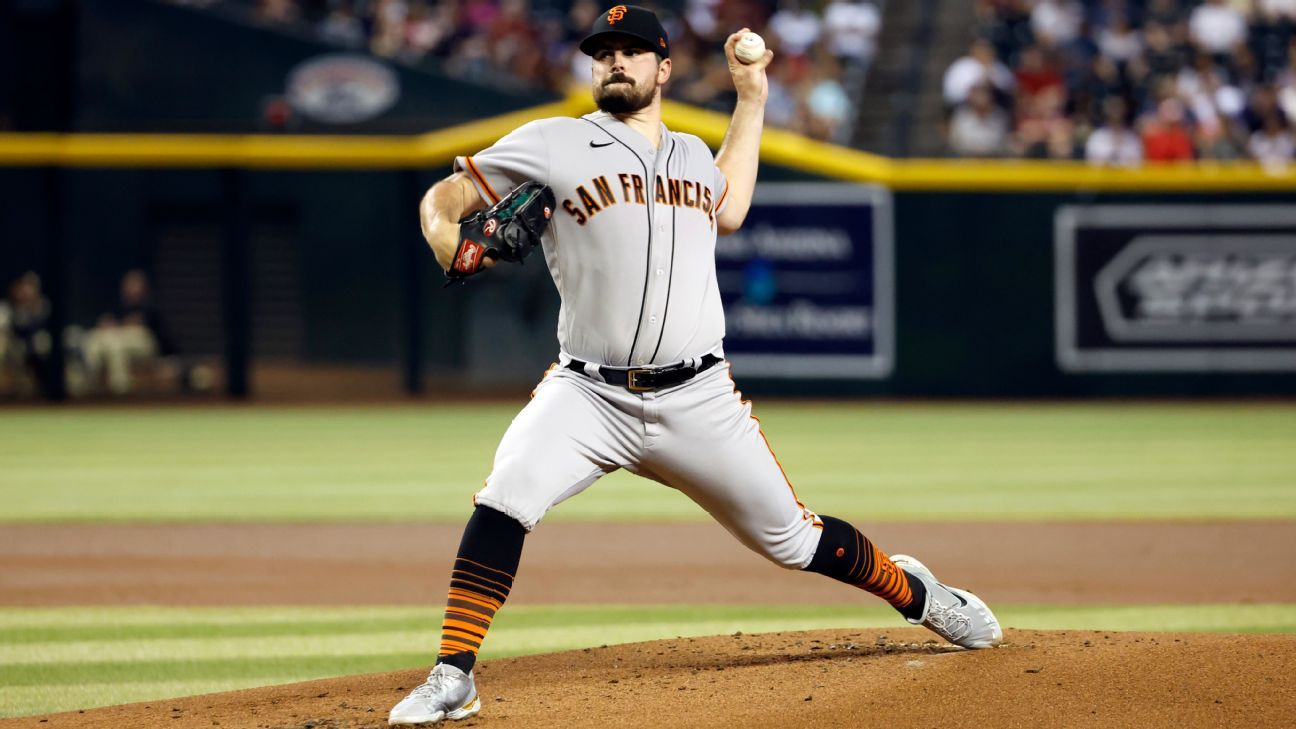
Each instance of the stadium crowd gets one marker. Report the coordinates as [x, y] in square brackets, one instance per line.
[823, 48]
[1123, 82]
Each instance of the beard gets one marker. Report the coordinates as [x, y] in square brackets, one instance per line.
[622, 98]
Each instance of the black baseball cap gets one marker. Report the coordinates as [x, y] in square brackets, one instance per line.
[628, 20]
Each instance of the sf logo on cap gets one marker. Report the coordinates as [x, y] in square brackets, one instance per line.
[615, 14]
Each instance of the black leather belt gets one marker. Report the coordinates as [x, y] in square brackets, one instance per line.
[642, 379]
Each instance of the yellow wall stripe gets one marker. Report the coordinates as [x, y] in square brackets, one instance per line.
[437, 149]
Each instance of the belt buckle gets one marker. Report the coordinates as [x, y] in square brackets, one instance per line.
[632, 377]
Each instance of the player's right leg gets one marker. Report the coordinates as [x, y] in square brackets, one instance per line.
[563, 440]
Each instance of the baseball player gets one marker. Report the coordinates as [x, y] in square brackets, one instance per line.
[641, 382]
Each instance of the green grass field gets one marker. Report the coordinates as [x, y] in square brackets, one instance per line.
[421, 463]
[69, 658]
[900, 462]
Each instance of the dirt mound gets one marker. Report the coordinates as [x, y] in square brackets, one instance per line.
[831, 678]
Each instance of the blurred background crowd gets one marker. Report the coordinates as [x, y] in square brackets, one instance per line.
[1116, 82]
[1121, 82]
[824, 48]
[127, 348]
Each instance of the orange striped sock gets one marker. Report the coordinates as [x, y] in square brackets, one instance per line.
[479, 584]
[847, 555]
[476, 593]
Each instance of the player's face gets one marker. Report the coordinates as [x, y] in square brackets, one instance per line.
[626, 76]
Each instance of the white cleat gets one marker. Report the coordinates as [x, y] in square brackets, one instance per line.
[448, 693]
[955, 615]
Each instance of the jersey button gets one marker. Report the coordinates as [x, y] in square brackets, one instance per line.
[660, 272]
[652, 320]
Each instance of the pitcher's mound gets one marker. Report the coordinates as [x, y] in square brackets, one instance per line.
[830, 678]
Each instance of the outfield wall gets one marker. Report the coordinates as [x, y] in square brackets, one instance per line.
[336, 273]
[904, 277]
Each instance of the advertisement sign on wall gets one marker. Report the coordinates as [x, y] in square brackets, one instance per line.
[808, 283]
[1202, 288]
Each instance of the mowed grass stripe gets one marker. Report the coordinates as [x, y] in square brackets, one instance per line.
[910, 461]
[554, 627]
[152, 615]
[108, 672]
[27, 625]
[61, 675]
[225, 630]
[49, 698]
[505, 634]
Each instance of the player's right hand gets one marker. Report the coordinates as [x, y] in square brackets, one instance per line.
[749, 78]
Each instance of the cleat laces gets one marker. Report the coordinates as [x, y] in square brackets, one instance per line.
[951, 624]
[435, 684]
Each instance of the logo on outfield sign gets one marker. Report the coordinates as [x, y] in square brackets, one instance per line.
[807, 283]
[1168, 288]
[342, 88]
[1200, 288]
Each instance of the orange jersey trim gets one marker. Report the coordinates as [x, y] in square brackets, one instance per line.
[472, 168]
[786, 480]
[542, 379]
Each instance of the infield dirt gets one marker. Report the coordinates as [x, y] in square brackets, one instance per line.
[834, 678]
[1066, 563]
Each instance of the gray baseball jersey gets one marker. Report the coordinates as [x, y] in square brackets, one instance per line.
[632, 245]
[632, 251]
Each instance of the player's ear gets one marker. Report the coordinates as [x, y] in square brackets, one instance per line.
[663, 70]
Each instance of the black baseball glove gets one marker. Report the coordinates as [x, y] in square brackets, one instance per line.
[506, 231]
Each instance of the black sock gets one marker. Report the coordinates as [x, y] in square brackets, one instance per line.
[846, 555]
[488, 559]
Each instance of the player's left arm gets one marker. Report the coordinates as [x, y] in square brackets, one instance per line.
[739, 156]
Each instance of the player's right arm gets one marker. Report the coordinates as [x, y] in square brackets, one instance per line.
[444, 205]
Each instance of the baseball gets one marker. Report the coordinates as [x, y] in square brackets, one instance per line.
[750, 48]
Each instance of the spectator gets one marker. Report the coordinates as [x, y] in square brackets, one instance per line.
[979, 128]
[26, 344]
[852, 28]
[1055, 22]
[1272, 144]
[1286, 83]
[129, 335]
[500, 40]
[1277, 10]
[1040, 120]
[978, 67]
[795, 28]
[1120, 42]
[1215, 142]
[1165, 138]
[1114, 144]
[428, 29]
[781, 109]
[342, 27]
[277, 12]
[1165, 13]
[387, 34]
[1264, 102]
[1216, 27]
[828, 108]
[1035, 74]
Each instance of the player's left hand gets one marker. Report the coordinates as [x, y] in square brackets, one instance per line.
[507, 231]
[749, 78]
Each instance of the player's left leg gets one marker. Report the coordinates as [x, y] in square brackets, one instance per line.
[708, 445]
